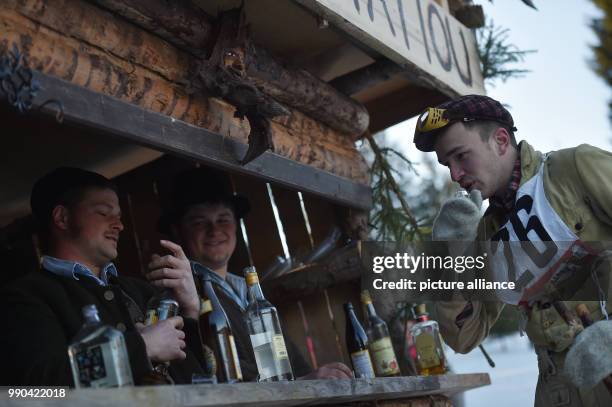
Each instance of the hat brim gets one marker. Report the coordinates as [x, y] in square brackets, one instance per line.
[425, 141]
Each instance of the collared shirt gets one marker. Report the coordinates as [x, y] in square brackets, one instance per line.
[234, 286]
[506, 202]
[71, 269]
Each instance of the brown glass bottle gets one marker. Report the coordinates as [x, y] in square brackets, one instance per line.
[217, 334]
[357, 345]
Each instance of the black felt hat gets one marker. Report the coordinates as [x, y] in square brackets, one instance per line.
[199, 186]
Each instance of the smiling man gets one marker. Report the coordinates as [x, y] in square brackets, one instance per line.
[78, 221]
[204, 218]
[563, 198]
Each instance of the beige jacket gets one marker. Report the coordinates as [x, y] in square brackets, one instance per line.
[578, 185]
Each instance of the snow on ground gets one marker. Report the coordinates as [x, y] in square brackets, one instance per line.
[513, 379]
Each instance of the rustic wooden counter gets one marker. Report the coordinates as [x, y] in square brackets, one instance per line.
[297, 393]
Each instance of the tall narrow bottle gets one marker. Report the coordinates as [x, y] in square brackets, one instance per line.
[98, 354]
[357, 345]
[266, 335]
[217, 333]
[430, 358]
[381, 348]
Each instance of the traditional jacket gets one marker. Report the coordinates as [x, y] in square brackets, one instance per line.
[42, 313]
[578, 187]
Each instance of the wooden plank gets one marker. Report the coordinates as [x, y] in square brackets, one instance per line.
[419, 35]
[140, 202]
[290, 212]
[342, 267]
[264, 239]
[322, 216]
[311, 392]
[130, 122]
[394, 107]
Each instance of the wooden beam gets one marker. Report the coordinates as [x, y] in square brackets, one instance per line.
[164, 133]
[290, 85]
[365, 77]
[178, 22]
[297, 137]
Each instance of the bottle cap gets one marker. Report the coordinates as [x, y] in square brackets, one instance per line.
[250, 274]
[421, 309]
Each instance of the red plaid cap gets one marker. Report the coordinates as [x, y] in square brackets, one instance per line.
[467, 108]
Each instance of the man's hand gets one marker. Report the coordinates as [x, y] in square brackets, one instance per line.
[458, 218]
[164, 340]
[335, 370]
[174, 271]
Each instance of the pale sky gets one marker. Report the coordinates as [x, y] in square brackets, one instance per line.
[561, 102]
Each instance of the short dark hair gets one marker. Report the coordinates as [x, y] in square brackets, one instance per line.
[63, 186]
[485, 129]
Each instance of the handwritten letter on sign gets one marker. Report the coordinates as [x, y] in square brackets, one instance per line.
[416, 34]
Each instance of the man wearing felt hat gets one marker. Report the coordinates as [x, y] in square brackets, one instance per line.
[204, 218]
[563, 198]
[78, 220]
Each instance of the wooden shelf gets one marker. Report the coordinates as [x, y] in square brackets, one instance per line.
[342, 266]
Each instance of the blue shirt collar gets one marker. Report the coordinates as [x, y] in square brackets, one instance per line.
[71, 269]
[234, 286]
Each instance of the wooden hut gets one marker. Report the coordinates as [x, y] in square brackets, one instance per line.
[274, 92]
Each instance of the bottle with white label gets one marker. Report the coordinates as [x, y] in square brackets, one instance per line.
[357, 345]
[381, 348]
[98, 354]
[265, 333]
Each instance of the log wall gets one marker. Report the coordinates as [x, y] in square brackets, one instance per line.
[93, 48]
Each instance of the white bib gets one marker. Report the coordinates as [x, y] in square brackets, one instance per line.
[535, 247]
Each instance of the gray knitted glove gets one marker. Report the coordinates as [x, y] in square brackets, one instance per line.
[589, 359]
[458, 218]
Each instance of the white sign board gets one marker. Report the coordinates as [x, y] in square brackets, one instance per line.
[417, 34]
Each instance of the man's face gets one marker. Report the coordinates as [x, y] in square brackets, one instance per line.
[94, 225]
[208, 234]
[473, 163]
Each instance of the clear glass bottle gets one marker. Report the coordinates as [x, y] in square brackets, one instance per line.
[98, 354]
[217, 333]
[381, 348]
[266, 335]
[430, 358]
[357, 345]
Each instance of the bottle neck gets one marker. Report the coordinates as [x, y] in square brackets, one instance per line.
[91, 316]
[209, 292]
[255, 293]
[370, 309]
[422, 318]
